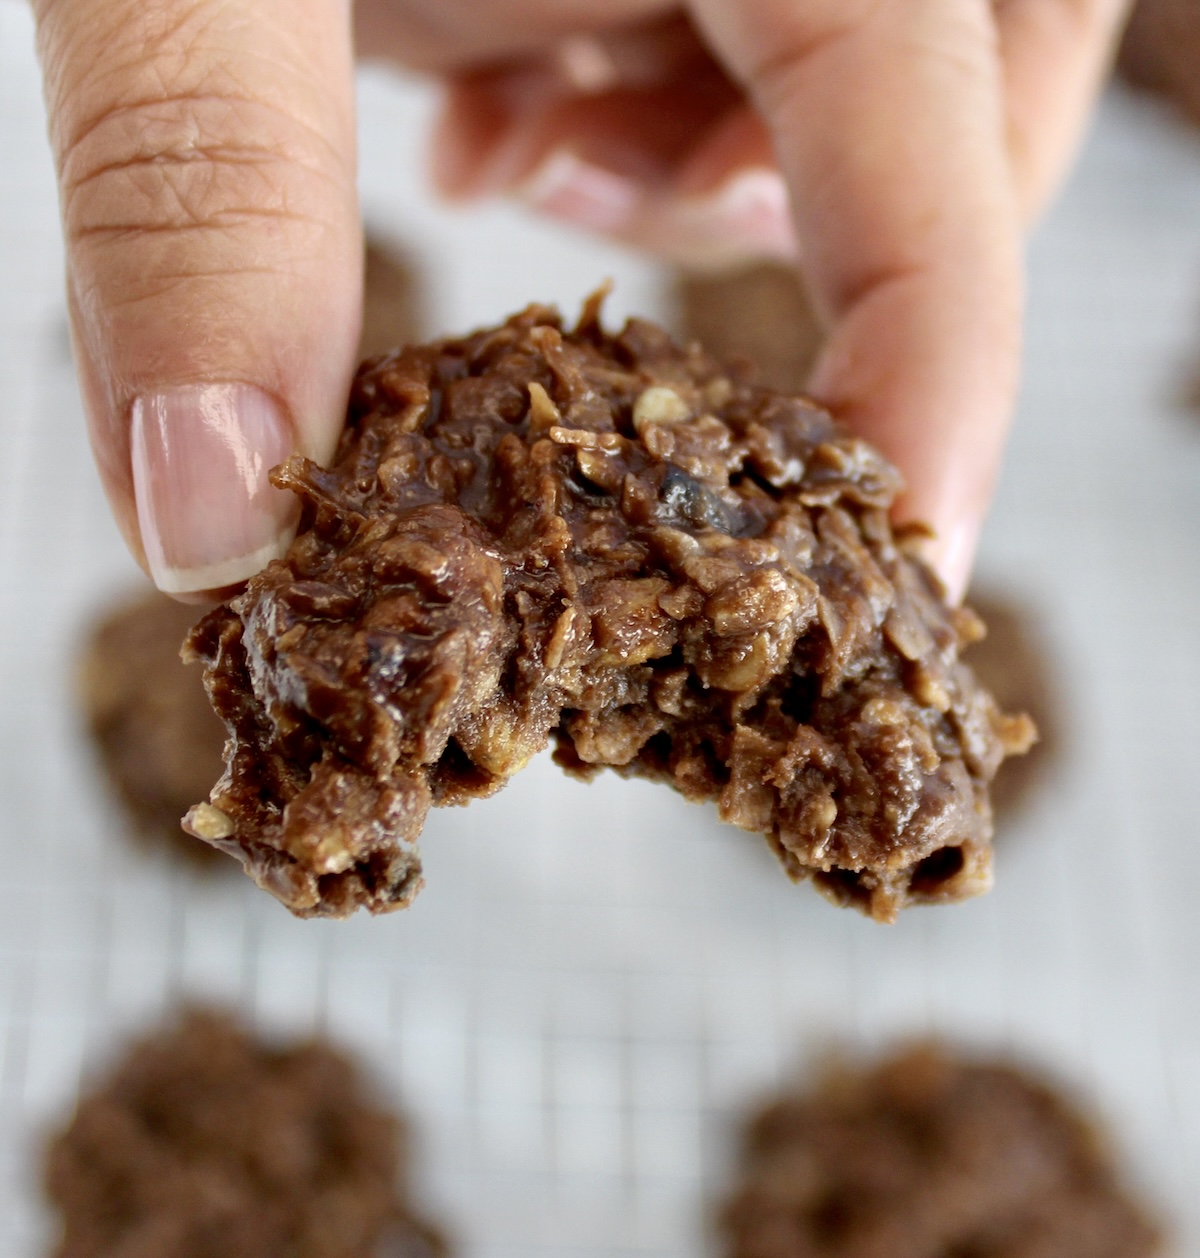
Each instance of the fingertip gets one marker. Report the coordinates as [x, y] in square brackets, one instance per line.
[567, 187]
[745, 217]
[676, 166]
[950, 552]
[201, 456]
[913, 369]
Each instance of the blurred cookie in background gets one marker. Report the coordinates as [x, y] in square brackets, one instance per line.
[1191, 398]
[760, 312]
[205, 1141]
[927, 1154]
[1014, 662]
[392, 313]
[158, 741]
[1160, 52]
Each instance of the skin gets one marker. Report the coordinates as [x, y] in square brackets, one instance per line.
[896, 148]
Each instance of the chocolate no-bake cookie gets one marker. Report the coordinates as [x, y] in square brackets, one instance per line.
[615, 543]
[760, 313]
[207, 1143]
[928, 1155]
[158, 740]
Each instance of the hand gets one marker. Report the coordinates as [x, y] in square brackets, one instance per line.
[206, 163]
[897, 148]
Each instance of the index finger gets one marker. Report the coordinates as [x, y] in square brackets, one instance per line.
[888, 122]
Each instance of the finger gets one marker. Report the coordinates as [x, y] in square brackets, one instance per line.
[724, 199]
[671, 160]
[497, 131]
[205, 155]
[1056, 56]
[906, 220]
[632, 98]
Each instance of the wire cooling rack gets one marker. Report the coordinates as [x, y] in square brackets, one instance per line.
[597, 978]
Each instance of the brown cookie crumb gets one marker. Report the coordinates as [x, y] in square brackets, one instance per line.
[927, 1155]
[1012, 661]
[204, 1142]
[391, 300]
[761, 314]
[609, 541]
[157, 738]
[1160, 52]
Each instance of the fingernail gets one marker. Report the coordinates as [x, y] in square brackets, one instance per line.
[565, 186]
[208, 515]
[747, 215]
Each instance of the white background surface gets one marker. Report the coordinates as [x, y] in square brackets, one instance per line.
[597, 977]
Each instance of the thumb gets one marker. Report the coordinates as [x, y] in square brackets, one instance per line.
[205, 156]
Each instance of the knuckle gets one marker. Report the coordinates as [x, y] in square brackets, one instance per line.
[185, 162]
[809, 32]
[162, 121]
[956, 37]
